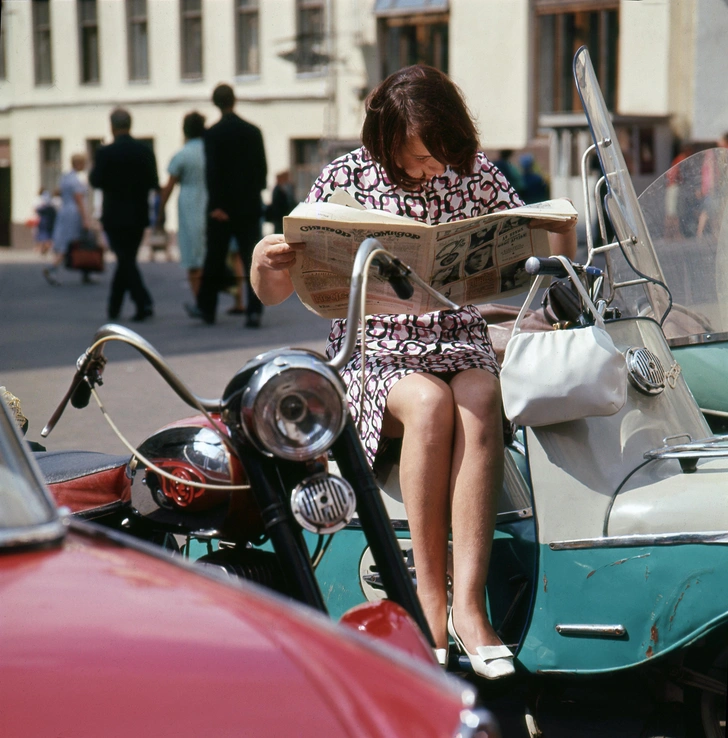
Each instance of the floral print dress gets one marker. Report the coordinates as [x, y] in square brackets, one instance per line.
[441, 342]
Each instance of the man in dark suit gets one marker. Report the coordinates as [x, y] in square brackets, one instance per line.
[236, 175]
[125, 171]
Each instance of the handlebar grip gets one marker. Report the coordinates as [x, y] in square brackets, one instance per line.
[537, 265]
[402, 287]
[81, 395]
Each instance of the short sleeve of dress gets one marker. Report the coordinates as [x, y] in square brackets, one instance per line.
[324, 185]
[78, 187]
[490, 186]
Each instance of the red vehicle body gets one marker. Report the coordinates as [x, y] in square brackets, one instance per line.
[103, 635]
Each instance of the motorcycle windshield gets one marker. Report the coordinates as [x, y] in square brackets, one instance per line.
[27, 513]
[686, 212]
[635, 259]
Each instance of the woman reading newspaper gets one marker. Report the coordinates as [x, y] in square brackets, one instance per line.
[430, 379]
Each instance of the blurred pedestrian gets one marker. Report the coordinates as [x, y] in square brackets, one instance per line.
[187, 167]
[236, 175]
[45, 212]
[710, 181]
[534, 187]
[282, 201]
[72, 218]
[126, 171]
[509, 169]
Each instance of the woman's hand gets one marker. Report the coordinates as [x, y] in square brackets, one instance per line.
[273, 256]
[562, 234]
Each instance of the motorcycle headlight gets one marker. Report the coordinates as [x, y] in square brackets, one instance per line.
[294, 407]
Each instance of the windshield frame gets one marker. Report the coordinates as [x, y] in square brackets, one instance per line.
[620, 202]
[46, 525]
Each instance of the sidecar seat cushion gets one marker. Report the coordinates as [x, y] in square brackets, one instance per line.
[85, 480]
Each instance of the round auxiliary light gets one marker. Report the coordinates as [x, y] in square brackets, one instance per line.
[294, 407]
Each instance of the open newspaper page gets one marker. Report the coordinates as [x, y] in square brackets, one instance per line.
[469, 261]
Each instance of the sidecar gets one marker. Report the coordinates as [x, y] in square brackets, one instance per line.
[106, 636]
[611, 545]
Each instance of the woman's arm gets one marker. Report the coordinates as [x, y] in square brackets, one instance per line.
[564, 242]
[78, 197]
[164, 197]
[269, 272]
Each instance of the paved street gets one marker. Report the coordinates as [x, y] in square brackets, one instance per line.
[44, 329]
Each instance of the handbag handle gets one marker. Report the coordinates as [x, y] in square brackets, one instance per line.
[536, 283]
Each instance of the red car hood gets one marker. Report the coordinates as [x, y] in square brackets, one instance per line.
[97, 639]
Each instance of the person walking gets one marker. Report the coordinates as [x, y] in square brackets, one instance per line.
[125, 171]
[71, 219]
[187, 167]
[282, 201]
[46, 213]
[236, 175]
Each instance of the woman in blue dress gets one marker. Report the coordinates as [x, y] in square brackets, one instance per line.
[72, 217]
[187, 167]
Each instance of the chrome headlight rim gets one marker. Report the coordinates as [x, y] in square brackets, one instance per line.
[264, 382]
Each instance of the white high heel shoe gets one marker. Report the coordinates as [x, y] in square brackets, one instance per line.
[442, 655]
[491, 662]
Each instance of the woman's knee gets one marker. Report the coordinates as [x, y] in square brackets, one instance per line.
[424, 402]
[478, 392]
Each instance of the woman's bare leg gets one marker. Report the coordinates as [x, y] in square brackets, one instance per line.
[194, 276]
[477, 477]
[420, 410]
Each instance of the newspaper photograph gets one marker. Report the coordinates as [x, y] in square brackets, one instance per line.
[469, 261]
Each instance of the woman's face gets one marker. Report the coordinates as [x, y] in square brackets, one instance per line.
[417, 161]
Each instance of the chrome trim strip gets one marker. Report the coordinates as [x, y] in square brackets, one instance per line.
[34, 535]
[612, 631]
[657, 539]
[696, 338]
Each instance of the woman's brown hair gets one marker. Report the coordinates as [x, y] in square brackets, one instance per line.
[419, 101]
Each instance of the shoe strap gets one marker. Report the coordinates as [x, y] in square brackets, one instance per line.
[489, 653]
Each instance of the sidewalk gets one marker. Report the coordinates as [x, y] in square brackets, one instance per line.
[44, 329]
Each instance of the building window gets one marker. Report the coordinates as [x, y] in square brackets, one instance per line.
[137, 40]
[191, 40]
[560, 34]
[50, 163]
[42, 58]
[246, 37]
[307, 164]
[2, 53]
[310, 36]
[412, 32]
[88, 41]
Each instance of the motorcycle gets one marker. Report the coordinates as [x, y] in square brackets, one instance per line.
[106, 635]
[236, 486]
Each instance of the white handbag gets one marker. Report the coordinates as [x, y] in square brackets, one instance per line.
[561, 375]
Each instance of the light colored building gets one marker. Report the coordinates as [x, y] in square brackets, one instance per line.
[301, 69]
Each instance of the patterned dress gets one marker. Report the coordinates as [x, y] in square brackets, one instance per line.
[442, 342]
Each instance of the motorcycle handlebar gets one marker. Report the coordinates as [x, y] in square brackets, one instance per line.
[90, 366]
[551, 266]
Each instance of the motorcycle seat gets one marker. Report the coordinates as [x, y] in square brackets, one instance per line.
[85, 481]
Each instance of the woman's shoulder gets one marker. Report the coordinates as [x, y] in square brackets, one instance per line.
[491, 185]
[348, 172]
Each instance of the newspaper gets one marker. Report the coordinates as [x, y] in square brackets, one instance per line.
[469, 261]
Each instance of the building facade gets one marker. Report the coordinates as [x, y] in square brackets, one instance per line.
[302, 68]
